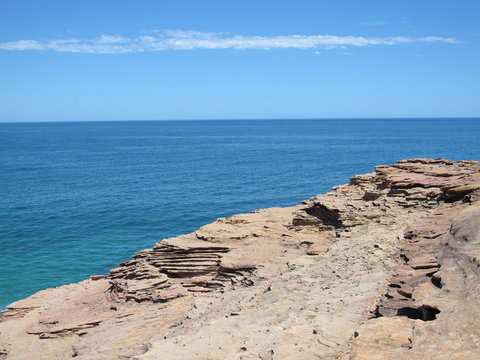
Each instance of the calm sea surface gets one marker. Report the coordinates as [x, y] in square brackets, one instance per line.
[78, 198]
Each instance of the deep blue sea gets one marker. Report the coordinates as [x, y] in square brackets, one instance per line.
[78, 198]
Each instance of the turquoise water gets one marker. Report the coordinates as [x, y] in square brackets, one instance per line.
[78, 198]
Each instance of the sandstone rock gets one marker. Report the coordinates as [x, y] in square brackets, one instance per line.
[459, 192]
[372, 270]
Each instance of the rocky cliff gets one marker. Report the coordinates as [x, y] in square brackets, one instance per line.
[385, 267]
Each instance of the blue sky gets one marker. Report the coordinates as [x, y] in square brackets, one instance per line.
[232, 59]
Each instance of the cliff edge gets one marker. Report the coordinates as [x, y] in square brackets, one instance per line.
[385, 267]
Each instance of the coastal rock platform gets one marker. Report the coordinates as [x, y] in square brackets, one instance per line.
[385, 267]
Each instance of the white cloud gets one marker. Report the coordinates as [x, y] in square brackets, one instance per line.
[112, 39]
[190, 40]
[438, 38]
[21, 45]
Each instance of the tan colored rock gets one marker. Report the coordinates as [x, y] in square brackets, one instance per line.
[364, 271]
[458, 192]
[383, 338]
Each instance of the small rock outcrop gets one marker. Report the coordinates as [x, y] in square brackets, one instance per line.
[385, 267]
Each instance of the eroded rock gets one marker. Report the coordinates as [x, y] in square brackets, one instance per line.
[373, 269]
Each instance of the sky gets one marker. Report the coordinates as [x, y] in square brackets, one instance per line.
[88, 60]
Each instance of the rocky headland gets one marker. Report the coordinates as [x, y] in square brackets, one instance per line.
[386, 267]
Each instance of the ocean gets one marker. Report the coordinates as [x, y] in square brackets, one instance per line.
[77, 198]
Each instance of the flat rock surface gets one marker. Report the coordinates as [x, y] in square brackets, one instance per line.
[385, 267]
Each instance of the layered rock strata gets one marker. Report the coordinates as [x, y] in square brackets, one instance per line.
[384, 267]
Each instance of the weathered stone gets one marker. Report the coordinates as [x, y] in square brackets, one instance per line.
[364, 271]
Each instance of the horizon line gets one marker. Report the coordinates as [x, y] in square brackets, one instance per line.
[249, 119]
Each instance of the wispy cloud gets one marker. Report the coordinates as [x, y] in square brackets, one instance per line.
[190, 40]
